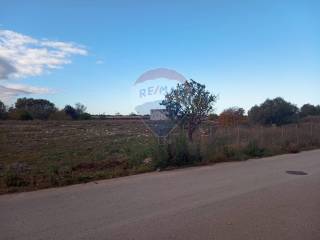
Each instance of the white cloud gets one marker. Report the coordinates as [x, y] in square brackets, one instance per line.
[22, 56]
[10, 91]
[31, 57]
[28, 89]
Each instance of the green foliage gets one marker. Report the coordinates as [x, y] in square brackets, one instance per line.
[84, 116]
[229, 152]
[53, 174]
[71, 111]
[160, 156]
[80, 108]
[19, 114]
[213, 117]
[276, 111]
[177, 153]
[221, 151]
[37, 108]
[77, 112]
[13, 176]
[189, 104]
[29, 108]
[253, 150]
[137, 153]
[309, 110]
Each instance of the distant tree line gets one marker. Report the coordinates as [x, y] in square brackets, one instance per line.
[41, 109]
[271, 112]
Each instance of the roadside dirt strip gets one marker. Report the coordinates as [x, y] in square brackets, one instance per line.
[269, 198]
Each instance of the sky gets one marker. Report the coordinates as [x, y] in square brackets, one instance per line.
[93, 52]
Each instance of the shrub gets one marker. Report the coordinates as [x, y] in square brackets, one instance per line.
[179, 152]
[160, 155]
[77, 112]
[253, 150]
[136, 154]
[309, 110]
[276, 111]
[53, 174]
[19, 114]
[59, 115]
[37, 108]
[232, 117]
[229, 152]
[14, 178]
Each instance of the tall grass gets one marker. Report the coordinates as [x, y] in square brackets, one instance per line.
[49, 154]
[240, 143]
[217, 144]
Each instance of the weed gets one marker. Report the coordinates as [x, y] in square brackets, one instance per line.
[254, 150]
[13, 179]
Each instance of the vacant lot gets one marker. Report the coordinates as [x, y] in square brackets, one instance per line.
[41, 154]
[48, 153]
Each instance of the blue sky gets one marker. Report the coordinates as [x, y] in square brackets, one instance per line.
[245, 51]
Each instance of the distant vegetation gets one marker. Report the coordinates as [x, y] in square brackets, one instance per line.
[61, 150]
[276, 111]
[41, 109]
[232, 117]
[190, 112]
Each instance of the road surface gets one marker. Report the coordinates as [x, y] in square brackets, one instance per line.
[255, 199]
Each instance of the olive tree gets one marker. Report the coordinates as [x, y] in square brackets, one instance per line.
[189, 104]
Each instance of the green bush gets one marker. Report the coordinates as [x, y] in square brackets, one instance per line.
[254, 150]
[14, 179]
[178, 152]
[136, 154]
[160, 155]
[20, 114]
[53, 175]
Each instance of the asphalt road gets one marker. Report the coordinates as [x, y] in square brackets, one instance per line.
[255, 199]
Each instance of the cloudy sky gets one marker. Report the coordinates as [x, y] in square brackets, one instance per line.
[93, 51]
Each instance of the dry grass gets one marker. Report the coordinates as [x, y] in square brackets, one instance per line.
[41, 154]
[245, 142]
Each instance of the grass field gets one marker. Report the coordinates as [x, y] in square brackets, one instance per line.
[48, 153]
[41, 154]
